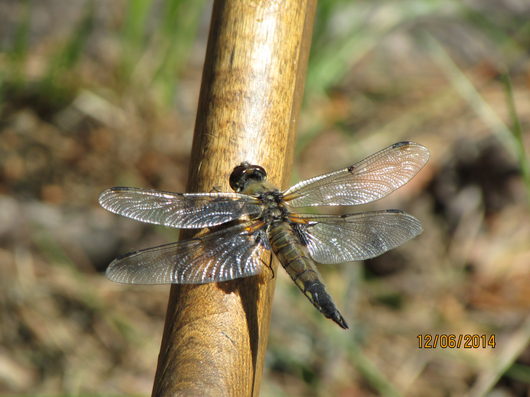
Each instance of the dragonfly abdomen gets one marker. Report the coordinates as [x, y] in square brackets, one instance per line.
[295, 259]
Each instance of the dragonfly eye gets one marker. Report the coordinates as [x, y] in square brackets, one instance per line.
[244, 173]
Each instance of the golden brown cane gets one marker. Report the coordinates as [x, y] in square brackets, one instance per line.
[216, 334]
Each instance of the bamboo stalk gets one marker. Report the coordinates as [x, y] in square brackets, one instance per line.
[215, 335]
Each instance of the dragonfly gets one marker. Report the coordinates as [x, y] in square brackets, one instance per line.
[258, 218]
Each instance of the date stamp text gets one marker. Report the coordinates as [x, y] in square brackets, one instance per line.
[453, 341]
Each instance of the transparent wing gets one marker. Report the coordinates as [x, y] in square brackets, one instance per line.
[337, 239]
[180, 210]
[368, 180]
[227, 254]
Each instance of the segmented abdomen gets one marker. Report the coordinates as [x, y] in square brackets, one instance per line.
[295, 259]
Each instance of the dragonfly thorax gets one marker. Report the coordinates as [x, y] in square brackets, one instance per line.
[274, 209]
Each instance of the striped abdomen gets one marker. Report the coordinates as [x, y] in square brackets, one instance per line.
[295, 259]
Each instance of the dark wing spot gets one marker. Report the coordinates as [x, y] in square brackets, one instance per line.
[399, 144]
[395, 211]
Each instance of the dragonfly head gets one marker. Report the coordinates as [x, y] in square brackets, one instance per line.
[245, 173]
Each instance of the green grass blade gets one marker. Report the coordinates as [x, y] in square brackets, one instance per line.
[133, 36]
[517, 133]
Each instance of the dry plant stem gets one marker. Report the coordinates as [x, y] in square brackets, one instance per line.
[215, 335]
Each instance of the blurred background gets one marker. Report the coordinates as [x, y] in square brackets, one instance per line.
[99, 93]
